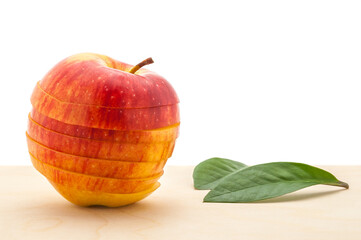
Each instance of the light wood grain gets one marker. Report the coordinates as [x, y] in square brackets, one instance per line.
[31, 209]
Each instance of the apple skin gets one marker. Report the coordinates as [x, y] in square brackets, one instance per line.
[92, 183]
[94, 79]
[122, 151]
[104, 117]
[94, 166]
[89, 198]
[156, 135]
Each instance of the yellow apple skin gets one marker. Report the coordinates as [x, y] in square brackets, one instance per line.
[92, 183]
[88, 198]
[131, 152]
[94, 166]
[141, 136]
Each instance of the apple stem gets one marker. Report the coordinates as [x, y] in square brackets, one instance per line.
[141, 64]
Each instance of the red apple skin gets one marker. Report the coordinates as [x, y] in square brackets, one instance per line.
[121, 151]
[157, 135]
[94, 79]
[92, 183]
[93, 166]
[104, 117]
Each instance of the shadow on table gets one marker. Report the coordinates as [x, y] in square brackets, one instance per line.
[300, 196]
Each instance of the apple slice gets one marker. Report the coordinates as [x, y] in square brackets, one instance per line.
[157, 135]
[91, 183]
[131, 152]
[104, 117]
[89, 198]
[94, 166]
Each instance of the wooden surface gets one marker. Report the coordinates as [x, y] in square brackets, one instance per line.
[31, 209]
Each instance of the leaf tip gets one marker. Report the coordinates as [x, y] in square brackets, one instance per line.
[344, 184]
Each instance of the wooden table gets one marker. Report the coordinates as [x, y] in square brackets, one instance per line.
[31, 209]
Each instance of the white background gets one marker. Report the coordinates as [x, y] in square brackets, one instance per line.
[258, 81]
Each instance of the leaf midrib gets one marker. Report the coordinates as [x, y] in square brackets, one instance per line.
[291, 181]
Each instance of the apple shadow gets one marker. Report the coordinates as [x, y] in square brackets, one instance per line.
[292, 197]
[141, 204]
[134, 208]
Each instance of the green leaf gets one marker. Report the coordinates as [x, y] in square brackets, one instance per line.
[210, 172]
[269, 180]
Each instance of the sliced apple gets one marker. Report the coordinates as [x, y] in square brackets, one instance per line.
[157, 135]
[100, 127]
[94, 166]
[104, 117]
[89, 198]
[137, 152]
[92, 183]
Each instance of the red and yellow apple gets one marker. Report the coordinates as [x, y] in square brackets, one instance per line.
[101, 130]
